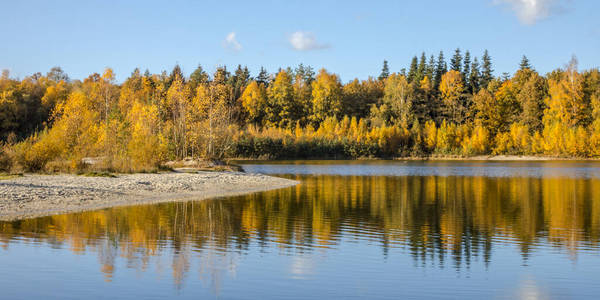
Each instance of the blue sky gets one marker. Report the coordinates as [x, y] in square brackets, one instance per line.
[350, 38]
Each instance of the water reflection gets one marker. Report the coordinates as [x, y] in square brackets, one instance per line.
[440, 222]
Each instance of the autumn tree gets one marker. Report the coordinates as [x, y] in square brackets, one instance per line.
[566, 103]
[397, 104]
[254, 100]
[359, 96]
[282, 109]
[326, 96]
[451, 90]
[212, 120]
[177, 100]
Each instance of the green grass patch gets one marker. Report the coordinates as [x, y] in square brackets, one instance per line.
[6, 176]
[99, 174]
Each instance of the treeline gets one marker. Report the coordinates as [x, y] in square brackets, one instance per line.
[435, 107]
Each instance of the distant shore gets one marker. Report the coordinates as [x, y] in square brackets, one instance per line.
[496, 158]
[440, 158]
[41, 195]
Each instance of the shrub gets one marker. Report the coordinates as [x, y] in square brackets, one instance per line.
[6, 160]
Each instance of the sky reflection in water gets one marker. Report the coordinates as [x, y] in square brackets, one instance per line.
[369, 229]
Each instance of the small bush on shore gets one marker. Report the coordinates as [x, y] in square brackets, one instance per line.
[6, 161]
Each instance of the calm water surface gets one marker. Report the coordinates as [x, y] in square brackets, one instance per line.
[372, 230]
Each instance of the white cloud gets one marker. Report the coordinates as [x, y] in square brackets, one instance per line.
[531, 11]
[231, 42]
[305, 41]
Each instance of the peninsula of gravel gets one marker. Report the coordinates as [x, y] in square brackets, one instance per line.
[41, 195]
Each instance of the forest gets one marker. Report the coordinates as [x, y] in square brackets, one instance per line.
[434, 108]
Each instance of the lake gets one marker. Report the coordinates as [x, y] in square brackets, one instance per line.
[351, 229]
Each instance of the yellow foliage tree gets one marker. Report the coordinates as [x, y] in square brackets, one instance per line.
[254, 101]
[326, 96]
[451, 89]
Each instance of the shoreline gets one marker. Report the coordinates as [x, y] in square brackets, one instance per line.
[506, 158]
[34, 195]
[499, 158]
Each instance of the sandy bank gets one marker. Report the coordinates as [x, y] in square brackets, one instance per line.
[41, 195]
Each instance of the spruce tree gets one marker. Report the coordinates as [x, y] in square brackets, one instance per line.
[309, 75]
[175, 73]
[198, 77]
[422, 69]
[263, 77]
[412, 72]
[466, 67]
[486, 70]
[431, 67]
[385, 71]
[239, 81]
[456, 61]
[440, 70]
[299, 71]
[524, 63]
[474, 77]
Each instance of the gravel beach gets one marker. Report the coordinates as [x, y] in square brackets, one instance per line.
[42, 195]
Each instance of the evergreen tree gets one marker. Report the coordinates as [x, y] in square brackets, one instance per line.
[440, 70]
[305, 73]
[221, 75]
[430, 67]
[175, 73]
[412, 72]
[456, 61]
[422, 68]
[474, 77]
[531, 98]
[199, 76]
[385, 71]
[486, 70]
[263, 77]
[299, 71]
[524, 63]
[309, 75]
[304, 76]
[466, 68]
[239, 80]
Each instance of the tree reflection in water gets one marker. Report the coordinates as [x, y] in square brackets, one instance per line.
[437, 220]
